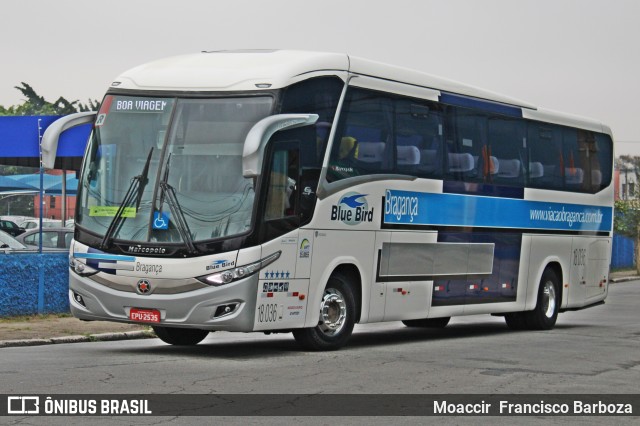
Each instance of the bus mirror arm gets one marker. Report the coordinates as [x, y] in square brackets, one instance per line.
[49, 144]
[260, 134]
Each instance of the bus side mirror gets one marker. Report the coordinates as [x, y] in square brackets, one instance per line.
[49, 144]
[261, 132]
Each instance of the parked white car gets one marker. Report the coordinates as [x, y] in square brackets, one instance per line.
[8, 243]
[35, 224]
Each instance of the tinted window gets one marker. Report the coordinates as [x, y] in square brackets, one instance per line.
[564, 158]
[380, 133]
[315, 96]
[507, 151]
[467, 151]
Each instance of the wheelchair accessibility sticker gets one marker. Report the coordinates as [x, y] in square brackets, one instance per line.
[160, 220]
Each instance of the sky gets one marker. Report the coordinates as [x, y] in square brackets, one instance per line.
[576, 56]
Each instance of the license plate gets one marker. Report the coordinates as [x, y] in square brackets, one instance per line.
[144, 315]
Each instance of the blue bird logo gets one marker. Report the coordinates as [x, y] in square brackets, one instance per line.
[352, 200]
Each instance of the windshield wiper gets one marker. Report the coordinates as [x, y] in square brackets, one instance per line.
[181, 222]
[134, 191]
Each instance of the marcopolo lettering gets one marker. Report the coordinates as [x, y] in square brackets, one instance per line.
[146, 250]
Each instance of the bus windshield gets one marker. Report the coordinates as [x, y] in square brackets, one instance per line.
[169, 170]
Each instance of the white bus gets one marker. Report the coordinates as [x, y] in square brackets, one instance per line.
[287, 191]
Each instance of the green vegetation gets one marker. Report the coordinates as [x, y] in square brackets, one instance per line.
[35, 104]
[627, 212]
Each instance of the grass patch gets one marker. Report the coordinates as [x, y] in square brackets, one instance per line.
[26, 318]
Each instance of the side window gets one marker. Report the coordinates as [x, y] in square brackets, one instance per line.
[595, 158]
[314, 96]
[468, 154]
[282, 193]
[546, 156]
[31, 239]
[507, 148]
[50, 239]
[380, 133]
[570, 159]
[601, 152]
[363, 143]
[419, 138]
[577, 170]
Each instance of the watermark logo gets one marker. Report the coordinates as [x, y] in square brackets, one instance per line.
[23, 405]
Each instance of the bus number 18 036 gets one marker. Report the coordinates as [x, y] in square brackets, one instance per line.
[268, 312]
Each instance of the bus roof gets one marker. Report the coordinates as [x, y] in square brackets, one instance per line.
[242, 70]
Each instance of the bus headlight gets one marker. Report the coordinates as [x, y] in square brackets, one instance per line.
[231, 275]
[80, 268]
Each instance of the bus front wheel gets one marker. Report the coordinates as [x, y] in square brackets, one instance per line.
[180, 336]
[337, 318]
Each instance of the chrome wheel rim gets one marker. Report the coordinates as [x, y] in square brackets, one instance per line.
[333, 312]
[549, 299]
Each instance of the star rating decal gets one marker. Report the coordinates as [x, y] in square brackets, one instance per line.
[276, 274]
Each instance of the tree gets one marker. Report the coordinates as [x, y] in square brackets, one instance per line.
[38, 105]
[626, 220]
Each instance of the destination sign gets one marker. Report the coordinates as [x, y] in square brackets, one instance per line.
[140, 105]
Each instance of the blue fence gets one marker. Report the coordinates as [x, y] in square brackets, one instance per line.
[623, 250]
[32, 283]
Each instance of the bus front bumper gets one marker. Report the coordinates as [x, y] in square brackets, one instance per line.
[230, 307]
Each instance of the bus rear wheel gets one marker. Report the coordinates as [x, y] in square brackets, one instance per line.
[180, 336]
[337, 318]
[545, 314]
[428, 322]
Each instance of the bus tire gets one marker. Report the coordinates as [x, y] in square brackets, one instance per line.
[180, 336]
[545, 314]
[428, 322]
[516, 320]
[337, 318]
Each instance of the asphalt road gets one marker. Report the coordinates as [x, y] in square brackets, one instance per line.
[592, 351]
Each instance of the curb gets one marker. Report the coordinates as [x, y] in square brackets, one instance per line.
[102, 337]
[624, 279]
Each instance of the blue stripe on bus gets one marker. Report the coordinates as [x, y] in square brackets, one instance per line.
[419, 208]
[101, 256]
[468, 102]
